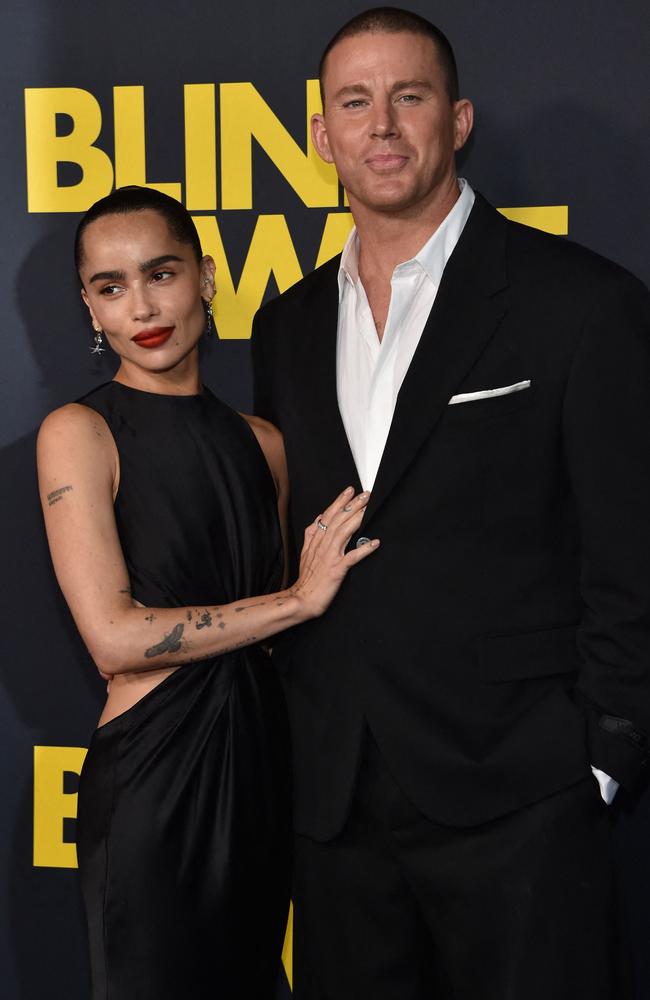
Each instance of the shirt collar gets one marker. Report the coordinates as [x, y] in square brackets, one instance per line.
[435, 253]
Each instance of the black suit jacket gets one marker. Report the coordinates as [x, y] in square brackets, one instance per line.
[499, 640]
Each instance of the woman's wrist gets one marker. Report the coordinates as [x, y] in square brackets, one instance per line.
[294, 606]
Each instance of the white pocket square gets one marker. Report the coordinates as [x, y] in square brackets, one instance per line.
[504, 390]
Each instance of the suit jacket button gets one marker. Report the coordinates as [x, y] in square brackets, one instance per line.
[362, 541]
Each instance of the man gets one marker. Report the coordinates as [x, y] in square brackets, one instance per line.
[491, 386]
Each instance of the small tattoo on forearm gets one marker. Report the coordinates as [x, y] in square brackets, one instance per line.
[222, 625]
[238, 645]
[205, 621]
[150, 618]
[170, 644]
[57, 495]
[246, 607]
[189, 615]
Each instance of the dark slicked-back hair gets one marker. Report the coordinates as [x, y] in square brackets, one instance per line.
[125, 200]
[391, 20]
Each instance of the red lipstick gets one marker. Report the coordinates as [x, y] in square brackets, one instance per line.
[155, 337]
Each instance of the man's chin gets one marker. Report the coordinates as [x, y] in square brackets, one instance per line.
[387, 202]
[404, 200]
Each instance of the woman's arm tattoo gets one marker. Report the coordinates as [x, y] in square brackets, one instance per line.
[170, 644]
[57, 495]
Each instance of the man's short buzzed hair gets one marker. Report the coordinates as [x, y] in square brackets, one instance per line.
[391, 20]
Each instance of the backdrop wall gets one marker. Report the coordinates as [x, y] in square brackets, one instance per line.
[211, 102]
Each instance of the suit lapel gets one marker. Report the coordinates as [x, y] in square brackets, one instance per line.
[466, 312]
[316, 387]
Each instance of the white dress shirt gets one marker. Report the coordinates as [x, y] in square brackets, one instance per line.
[370, 371]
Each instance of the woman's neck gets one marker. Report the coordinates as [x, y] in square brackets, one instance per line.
[181, 380]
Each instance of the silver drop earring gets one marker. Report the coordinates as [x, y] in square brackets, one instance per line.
[205, 281]
[208, 316]
[97, 343]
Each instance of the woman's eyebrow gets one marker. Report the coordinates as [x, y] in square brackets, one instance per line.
[146, 265]
[157, 261]
[108, 276]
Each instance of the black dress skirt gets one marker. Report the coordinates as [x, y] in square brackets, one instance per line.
[184, 817]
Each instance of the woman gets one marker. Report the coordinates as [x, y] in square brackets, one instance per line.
[161, 507]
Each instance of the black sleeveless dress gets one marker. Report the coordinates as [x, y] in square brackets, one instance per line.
[184, 817]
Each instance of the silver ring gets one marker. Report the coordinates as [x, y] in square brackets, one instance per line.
[323, 527]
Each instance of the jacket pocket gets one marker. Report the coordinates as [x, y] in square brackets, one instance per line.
[481, 409]
[528, 655]
[504, 390]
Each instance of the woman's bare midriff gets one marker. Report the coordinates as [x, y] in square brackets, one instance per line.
[125, 690]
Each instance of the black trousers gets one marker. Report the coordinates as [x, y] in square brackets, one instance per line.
[400, 908]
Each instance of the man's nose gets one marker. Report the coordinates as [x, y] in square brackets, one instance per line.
[384, 121]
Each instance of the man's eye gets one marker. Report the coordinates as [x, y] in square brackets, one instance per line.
[409, 98]
[356, 103]
[109, 290]
[161, 275]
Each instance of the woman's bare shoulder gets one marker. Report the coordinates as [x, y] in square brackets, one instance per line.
[271, 442]
[76, 437]
[261, 426]
[73, 420]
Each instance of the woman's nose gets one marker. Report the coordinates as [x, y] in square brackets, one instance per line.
[142, 301]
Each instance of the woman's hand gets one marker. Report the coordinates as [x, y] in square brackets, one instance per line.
[78, 477]
[324, 562]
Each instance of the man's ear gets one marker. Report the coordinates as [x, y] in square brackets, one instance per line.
[463, 122]
[320, 139]
[93, 319]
